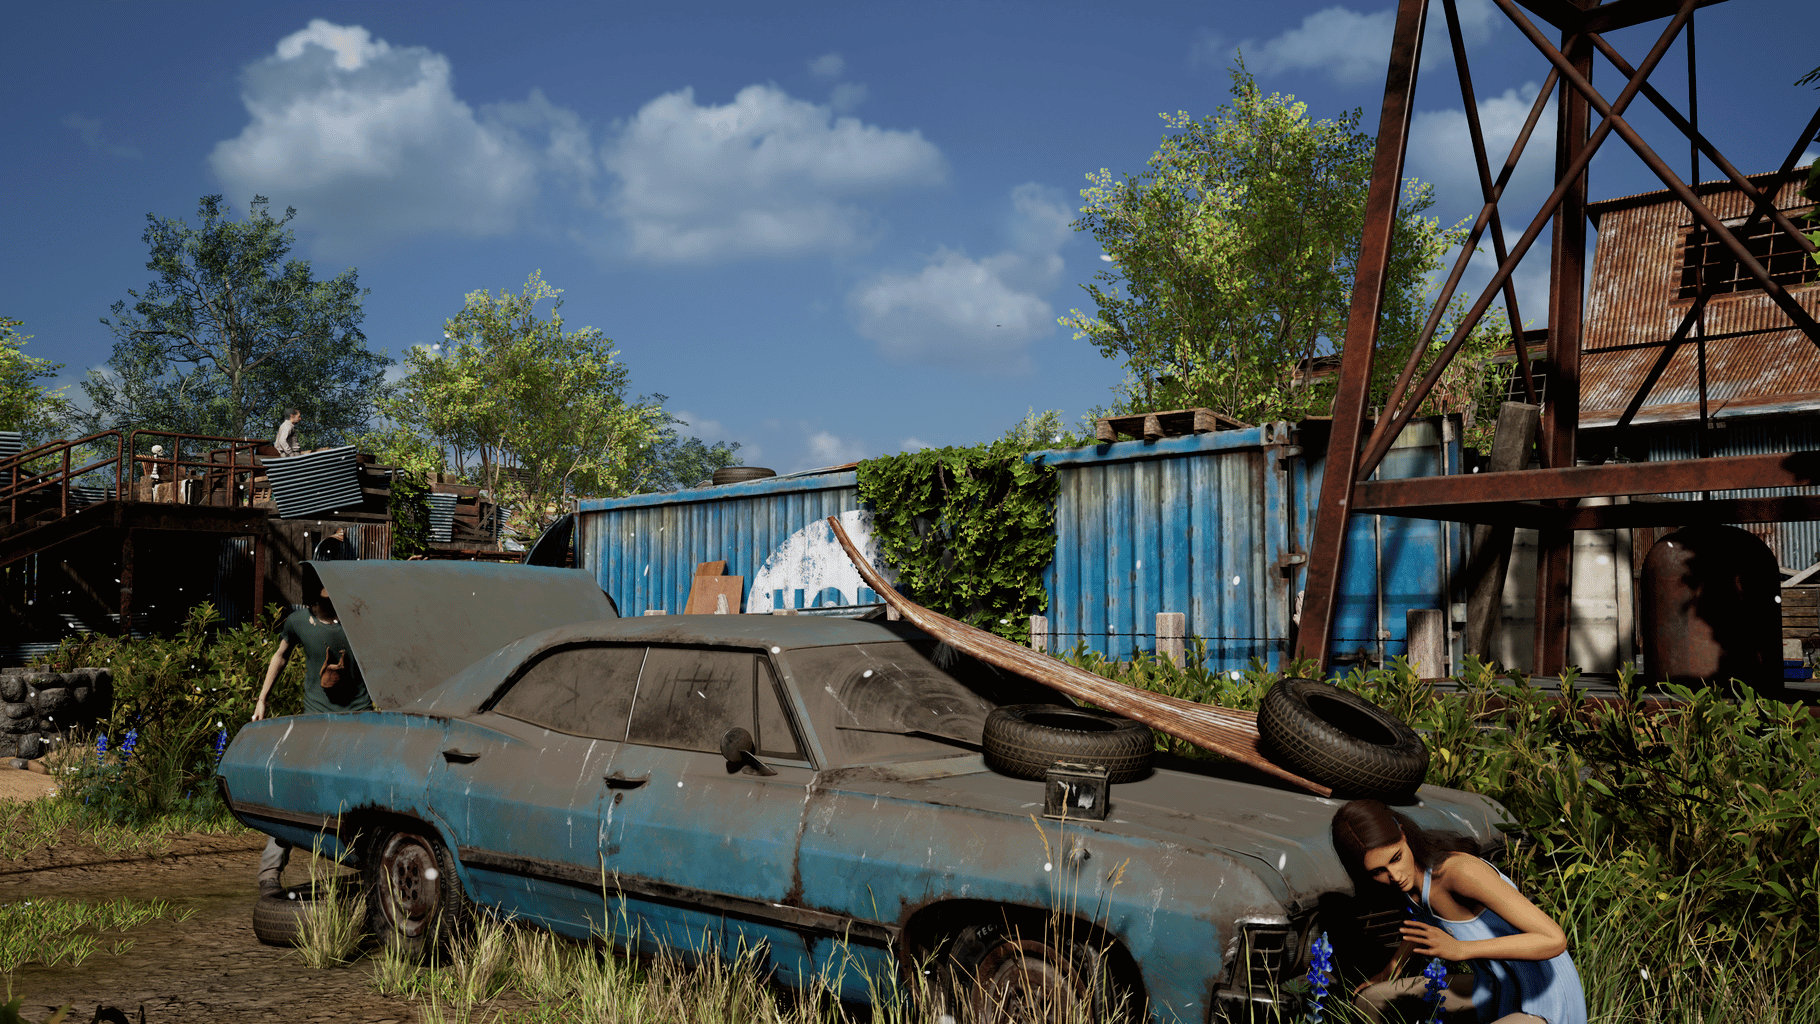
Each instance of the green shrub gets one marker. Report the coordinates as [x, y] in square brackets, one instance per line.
[176, 700]
[1678, 842]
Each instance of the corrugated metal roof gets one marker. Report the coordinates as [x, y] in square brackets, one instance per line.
[321, 481]
[1756, 361]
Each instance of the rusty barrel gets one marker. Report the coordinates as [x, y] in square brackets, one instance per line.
[1711, 611]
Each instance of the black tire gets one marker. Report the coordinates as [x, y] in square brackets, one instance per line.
[1019, 968]
[1025, 740]
[741, 474]
[408, 907]
[278, 916]
[1340, 739]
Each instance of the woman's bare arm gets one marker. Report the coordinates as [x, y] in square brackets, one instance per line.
[1538, 938]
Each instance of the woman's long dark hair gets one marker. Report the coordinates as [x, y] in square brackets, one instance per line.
[1365, 825]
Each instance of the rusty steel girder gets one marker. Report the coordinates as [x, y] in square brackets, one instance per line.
[1542, 499]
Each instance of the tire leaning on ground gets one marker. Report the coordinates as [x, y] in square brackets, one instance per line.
[1025, 740]
[278, 916]
[415, 902]
[1341, 740]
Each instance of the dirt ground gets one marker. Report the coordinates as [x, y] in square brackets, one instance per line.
[207, 969]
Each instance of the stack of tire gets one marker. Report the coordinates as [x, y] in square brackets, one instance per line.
[39, 708]
[1314, 729]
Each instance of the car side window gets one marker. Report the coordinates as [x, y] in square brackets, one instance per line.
[775, 738]
[582, 691]
[689, 697]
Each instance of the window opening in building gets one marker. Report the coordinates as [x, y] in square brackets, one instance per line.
[1705, 257]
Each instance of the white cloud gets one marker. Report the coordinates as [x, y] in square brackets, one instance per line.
[1440, 152]
[764, 175]
[89, 130]
[826, 449]
[828, 65]
[913, 444]
[978, 313]
[1209, 49]
[1354, 48]
[370, 142]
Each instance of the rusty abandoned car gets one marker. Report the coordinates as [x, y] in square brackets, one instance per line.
[811, 786]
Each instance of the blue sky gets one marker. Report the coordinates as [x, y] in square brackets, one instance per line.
[824, 231]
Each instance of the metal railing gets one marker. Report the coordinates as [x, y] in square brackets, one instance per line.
[216, 469]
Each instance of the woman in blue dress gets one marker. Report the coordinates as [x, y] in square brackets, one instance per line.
[1464, 910]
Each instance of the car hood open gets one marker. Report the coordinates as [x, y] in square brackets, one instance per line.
[414, 624]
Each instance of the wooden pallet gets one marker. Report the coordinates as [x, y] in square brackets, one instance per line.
[1169, 423]
[1800, 612]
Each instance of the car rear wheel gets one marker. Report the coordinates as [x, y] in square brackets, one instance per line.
[415, 902]
[1022, 970]
[1340, 739]
[1025, 740]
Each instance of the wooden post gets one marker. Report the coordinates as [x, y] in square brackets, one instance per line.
[1428, 642]
[1039, 633]
[1510, 446]
[126, 582]
[258, 575]
[1171, 628]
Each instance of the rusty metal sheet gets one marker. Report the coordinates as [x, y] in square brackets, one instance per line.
[1791, 469]
[1225, 731]
[414, 624]
[1756, 362]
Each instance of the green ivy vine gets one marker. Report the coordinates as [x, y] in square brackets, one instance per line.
[410, 508]
[969, 531]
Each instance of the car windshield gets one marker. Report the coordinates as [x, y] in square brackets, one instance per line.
[886, 699]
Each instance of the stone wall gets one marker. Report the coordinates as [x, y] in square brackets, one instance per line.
[37, 709]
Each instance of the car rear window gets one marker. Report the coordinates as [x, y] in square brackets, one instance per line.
[887, 699]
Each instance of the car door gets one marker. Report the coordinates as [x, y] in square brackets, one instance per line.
[523, 784]
[703, 850]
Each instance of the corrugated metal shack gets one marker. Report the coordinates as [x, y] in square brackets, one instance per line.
[1209, 525]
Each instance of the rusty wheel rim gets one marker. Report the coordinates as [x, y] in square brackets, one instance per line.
[411, 879]
[1027, 982]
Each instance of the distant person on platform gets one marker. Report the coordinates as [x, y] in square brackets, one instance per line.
[331, 682]
[286, 441]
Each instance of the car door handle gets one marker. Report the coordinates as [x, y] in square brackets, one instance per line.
[618, 780]
[454, 756]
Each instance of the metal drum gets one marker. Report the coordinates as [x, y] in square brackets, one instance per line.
[1711, 610]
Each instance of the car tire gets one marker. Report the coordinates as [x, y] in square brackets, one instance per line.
[1017, 969]
[415, 902]
[278, 916]
[1340, 740]
[741, 474]
[1025, 740]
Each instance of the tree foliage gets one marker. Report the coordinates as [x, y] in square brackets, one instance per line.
[230, 333]
[543, 409]
[1232, 258]
[26, 405]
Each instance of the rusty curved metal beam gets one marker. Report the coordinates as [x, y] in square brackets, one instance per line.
[1228, 732]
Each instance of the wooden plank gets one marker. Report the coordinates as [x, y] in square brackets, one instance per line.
[706, 592]
[711, 568]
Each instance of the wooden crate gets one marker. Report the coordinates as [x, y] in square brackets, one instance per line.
[1800, 611]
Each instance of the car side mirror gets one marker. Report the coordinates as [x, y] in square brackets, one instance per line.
[740, 750]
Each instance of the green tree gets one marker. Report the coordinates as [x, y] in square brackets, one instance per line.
[1232, 258]
[26, 405]
[543, 409]
[676, 460]
[230, 333]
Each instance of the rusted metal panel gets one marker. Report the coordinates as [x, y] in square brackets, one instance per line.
[314, 483]
[1756, 362]
[413, 625]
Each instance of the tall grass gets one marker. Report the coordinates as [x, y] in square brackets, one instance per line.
[1677, 842]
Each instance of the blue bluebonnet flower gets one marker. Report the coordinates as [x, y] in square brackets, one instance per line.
[1320, 975]
[101, 745]
[1436, 973]
[220, 746]
[127, 745]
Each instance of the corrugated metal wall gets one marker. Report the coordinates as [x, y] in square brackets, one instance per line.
[1797, 545]
[1191, 524]
[1199, 525]
[644, 549]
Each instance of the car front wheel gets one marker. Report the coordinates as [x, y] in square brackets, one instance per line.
[1024, 970]
[415, 901]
